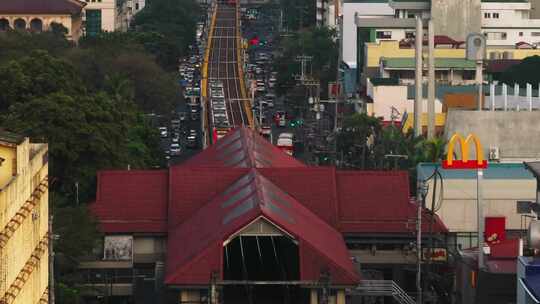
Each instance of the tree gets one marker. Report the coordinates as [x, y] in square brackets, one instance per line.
[524, 72]
[38, 74]
[315, 42]
[175, 22]
[356, 140]
[298, 14]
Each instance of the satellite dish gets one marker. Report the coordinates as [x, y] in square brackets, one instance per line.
[533, 234]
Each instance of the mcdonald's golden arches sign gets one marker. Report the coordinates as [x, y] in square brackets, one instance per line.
[464, 162]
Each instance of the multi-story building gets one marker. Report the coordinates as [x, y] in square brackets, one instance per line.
[37, 16]
[100, 15]
[24, 217]
[126, 11]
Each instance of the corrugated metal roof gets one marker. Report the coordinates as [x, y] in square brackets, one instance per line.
[207, 229]
[440, 63]
[243, 148]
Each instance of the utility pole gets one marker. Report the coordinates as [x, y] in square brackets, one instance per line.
[51, 257]
[431, 81]
[303, 59]
[419, 248]
[419, 77]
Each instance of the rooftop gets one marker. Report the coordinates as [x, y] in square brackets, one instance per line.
[71, 7]
[10, 137]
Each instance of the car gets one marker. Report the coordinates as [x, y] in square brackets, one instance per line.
[175, 124]
[182, 116]
[175, 149]
[175, 139]
[163, 132]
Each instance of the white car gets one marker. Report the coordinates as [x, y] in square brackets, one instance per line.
[163, 132]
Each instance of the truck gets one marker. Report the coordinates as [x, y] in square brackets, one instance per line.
[285, 143]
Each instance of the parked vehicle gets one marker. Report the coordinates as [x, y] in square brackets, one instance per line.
[163, 132]
[285, 143]
[175, 149]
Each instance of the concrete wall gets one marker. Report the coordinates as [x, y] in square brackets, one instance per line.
[535, 9]
[349, 26]
[458, 209]
[456, 18]
[386, 97]
[513, 132]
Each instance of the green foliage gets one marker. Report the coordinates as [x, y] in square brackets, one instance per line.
[317, 42]
[76, 230]
[524, 72]
[175, 22]
[36, 75]
[86, 131]
[298, 14]
[366, 145]
[15, 44]
[122, 55]
[66, 294]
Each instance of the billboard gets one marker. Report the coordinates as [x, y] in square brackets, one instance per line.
[464, 162]
[118, 248]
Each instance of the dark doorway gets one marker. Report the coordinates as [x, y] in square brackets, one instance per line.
[36, 25]
[20, 24]
[262, 259]
[4, 25]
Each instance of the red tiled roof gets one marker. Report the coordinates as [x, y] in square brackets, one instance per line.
[71, 7]
[250, 197]
[377, 202]
[131, 201]
[243, 148]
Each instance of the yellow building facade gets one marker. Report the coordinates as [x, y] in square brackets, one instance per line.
[390, 49]
[24, 214]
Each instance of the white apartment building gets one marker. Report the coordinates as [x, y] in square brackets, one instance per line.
[508, 23]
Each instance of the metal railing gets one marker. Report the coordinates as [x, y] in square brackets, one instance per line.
[386, 288]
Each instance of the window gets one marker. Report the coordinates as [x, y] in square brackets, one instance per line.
[535, 34]
[93, 22]
[496, 35]
[520, 34]
[396, 13]
[496, 15]
[384, 35]
[410, 35]
[137, 6]
[487, 15]
[411, 15]
[469, 75]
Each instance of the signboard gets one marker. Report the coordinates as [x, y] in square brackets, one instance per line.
[437, 254]
[464, 162]
[118, 248]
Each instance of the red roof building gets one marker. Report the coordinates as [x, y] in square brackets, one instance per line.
[201, 205]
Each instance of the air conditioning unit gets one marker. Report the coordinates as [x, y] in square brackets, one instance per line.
[494, 153]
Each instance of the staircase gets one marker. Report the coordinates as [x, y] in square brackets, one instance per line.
[386, 288]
